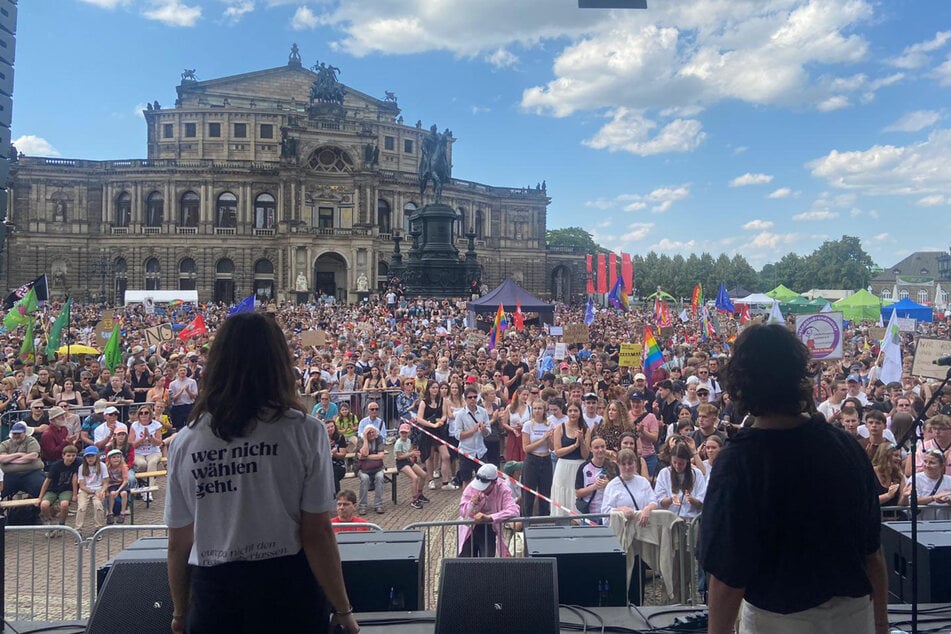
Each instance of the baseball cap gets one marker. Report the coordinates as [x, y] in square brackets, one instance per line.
[121, 429]
[590, 396]
[854, 378]
[703, 389]
[637, 395]
[510, 467]
[693, 379]
[91, 451]
[471, 379]
[485, 476]
[114, 452]
[640, 377]
[110, 410]
[564, 365]
[405, 427]
[100, 406]
[18, 428]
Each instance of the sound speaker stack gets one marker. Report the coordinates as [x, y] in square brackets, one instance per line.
[934, 561]
[383, 570]
[591, 564]
[133, 593]
[515, 596]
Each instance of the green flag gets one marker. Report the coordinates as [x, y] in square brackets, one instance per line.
[112, 352]
[19, 315]
[27, 349]
[56, 330]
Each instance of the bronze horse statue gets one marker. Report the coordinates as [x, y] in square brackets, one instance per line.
[434, 162]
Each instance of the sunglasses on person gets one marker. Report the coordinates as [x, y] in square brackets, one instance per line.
[484, 480]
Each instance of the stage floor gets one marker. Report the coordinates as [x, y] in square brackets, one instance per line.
[932, 617]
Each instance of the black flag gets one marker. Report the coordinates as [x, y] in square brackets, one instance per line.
[42, 292]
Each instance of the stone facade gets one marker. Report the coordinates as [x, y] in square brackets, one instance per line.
[249, 184]
[923, 277]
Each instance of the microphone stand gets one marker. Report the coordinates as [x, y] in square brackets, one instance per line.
[914, 434]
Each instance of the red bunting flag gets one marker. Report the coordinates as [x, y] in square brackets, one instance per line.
[612, 270]
[194, 329]
[590, 286]
[602, 274]
[627, 273]
[519, 317]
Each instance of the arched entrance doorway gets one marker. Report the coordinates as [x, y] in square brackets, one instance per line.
[561, 284]
[330, 276]
[264, 279]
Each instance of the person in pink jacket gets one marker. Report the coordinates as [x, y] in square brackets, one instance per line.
[489, 504]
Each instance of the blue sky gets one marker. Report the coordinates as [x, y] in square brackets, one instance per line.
[738, 126]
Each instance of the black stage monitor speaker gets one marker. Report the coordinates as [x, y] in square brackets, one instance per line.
[934, 561]
[591, 563]
[383, 570]
[134, 596]
[515, 596]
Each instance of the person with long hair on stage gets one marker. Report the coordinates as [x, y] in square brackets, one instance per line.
[797, 546]
[250, 497]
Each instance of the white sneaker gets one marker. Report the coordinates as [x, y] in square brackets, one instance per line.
[450, 486]
[432, 485]
[148, 497]
[436, 474]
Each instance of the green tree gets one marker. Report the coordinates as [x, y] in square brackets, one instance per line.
[573, 237]
[839, 263]
[742, 274]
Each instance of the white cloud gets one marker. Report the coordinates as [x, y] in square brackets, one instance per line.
[915, 121]
[919, 169]
[138, 108]
[782, 192]
[630, 131]
[768, 240]
[502, 58]
[666, 244]
[480, 109]
[33, 145]
[751, 179]
[882, 237]
[943, 73]
[815, 215]
[107, 4]
[173, 13]
[659, 200]
[238, 9]
[665, 197]
[916, 55]
[304, 19]
[836, 102]
[637, 231]
[758, 225]
[934, 200]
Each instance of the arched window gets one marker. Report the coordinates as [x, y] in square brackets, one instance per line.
[154, 209]
[120, 267]
[123, 209]
[153, 275]
[941, 298]
[459, 224]
[187, 276]
[224, 281]
[191, 204]
[265, 211]
[330, 159]
[922, 296]
[226, 211]
[408, 210]
[886, 293]
[264, 279]
[902, 294]
[383, 216]
[479, 224]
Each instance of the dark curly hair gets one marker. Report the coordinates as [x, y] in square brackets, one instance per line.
[769, 372]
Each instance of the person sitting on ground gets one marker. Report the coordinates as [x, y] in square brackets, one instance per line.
[59, 489]
[346, 506]
[488, 504]
[407, 463]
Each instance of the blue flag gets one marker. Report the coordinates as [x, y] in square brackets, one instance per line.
[245, 306]
[618, 297]
[723, 300]
[589, 313]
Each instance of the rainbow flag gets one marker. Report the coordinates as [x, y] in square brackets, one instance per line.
[653, 357]
[175, 303]
[498, 326]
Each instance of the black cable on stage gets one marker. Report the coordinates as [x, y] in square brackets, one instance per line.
[681, 610]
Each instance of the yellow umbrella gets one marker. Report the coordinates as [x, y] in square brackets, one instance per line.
[76, 348]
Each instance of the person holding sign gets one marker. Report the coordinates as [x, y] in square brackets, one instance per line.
[253, 454]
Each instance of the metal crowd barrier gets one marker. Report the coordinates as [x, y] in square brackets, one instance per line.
[50, 587]
[9, 417]
[359, 399]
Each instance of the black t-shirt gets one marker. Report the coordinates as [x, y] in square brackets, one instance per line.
[61, 476]
[791, 517]
[509, 371]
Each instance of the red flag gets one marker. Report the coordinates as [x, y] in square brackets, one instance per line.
[602, 274]
[519, 318]
[194, 329]
[590, 289]
[745, 314]
[627, 273]
[612, 269]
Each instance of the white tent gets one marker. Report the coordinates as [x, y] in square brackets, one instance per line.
[160, 297]
[755, 298]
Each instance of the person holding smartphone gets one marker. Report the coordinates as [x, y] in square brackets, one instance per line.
[593, 476]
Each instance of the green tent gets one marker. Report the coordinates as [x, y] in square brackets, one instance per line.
[861, 305]
[798, 305]
[783, 294]
[819, 302]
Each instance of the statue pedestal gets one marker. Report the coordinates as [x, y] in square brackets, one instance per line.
[302, 297]
[363, 296]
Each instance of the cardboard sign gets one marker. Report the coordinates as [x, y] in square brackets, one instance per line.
[310, 338]
[561, 350]
[875, 333]
[929, 349]
[575, 333]
[475, 340]
[907, 324]
[102, 331]
[156, 335]
[630, 355]
[822, 333]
